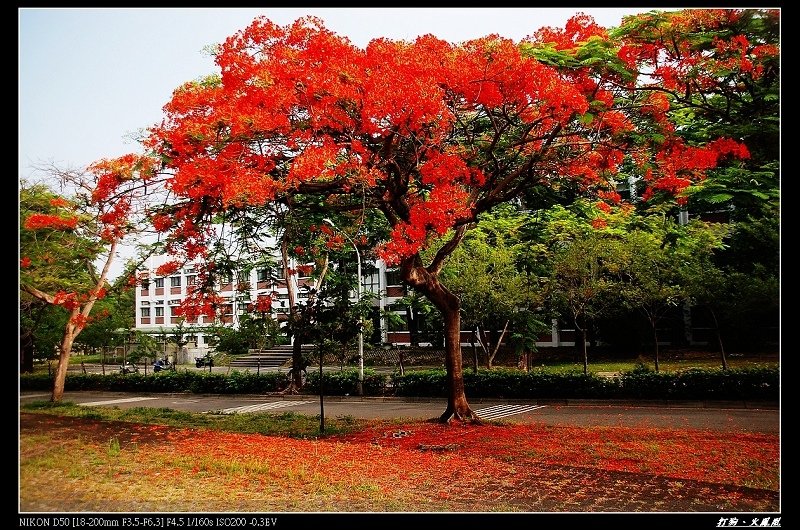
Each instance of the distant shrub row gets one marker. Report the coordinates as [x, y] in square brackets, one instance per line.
[734, 384]
[702, 384]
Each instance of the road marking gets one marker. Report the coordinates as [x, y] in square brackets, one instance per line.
[115, 401]
[501, 411]
[261, 406]
[28, 396]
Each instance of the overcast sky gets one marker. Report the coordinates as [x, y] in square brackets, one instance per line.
[89, 79]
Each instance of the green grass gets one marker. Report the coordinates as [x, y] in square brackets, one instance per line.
[664, 365]
[289, 424]
[93, 358]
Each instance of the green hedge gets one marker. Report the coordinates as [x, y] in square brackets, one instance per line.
[714, 384]
[696, 383]
[507, 383]
[345, 382]
[195, 382]
[734, 384]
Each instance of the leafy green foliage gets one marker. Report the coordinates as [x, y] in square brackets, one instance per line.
[734, 384]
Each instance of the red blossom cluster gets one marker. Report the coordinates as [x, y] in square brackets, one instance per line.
[305, 270]
[598, 223]
[40, 221]
[170, 267]
[263, 303]
[68, 300]
[111, 174]
[677, 63]
[199, 302]
[298, 109]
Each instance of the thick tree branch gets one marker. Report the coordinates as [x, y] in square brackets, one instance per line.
[441, 255]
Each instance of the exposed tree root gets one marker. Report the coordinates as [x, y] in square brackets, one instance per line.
[291, 389]
[464, 417]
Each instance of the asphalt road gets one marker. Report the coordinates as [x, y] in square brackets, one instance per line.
[718, 416]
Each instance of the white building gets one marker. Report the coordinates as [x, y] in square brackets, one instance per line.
[158, 297]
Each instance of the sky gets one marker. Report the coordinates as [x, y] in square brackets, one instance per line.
[91, 79]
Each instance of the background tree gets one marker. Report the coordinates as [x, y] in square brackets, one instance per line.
[146, 347]
[422, 318]
[581, 285]
[41, 330]
[658, 258]
[114, 315]
[717, 73]
[65, 253]
[428, 133]
[484, 273]
[89, 226]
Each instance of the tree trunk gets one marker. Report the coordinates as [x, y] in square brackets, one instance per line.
[582, 334]
[400, 361]
[457, 405]
[297, 364]
[474, 354]
[497, 344]
[655, 341]
[487, 347]
[63, 363]
[449, 306]
[719, 340]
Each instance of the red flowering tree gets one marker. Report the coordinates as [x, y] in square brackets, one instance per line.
[428, 133]
[102, 209]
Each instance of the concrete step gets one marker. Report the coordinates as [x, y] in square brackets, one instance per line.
[255, 363]
[268, 358]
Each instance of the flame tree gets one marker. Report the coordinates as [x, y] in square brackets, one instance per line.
[68, 243]
[430, 134]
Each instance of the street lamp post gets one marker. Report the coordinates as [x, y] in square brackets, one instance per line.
[360, 386]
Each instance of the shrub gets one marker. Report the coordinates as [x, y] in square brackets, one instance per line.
[714, 384]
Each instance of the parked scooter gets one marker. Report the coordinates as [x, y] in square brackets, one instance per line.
[128, 368]
[205, 360]
[163, 364]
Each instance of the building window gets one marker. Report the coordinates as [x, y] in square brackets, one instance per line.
[159, 282]
[175, 281]
[173, 311]
[393, 278]
[159, 302]
[370, 279]
[191, 280]
[263, 275]
[176, 301]
[159, 311]
[145, 311]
